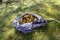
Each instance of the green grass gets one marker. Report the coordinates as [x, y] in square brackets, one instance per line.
[48, 10]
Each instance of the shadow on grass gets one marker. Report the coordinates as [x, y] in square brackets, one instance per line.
[28, 36]
[47, 30]
[50, 30]
[21, 36]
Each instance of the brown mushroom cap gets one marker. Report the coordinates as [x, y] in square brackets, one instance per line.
[28, 18]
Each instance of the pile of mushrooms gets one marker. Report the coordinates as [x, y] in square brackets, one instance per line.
[28, 18]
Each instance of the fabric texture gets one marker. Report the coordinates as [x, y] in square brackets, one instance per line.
[27, 27]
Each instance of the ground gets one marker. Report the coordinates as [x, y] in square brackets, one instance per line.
[49, 10]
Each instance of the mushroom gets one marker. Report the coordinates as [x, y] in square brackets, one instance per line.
[28, 18]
